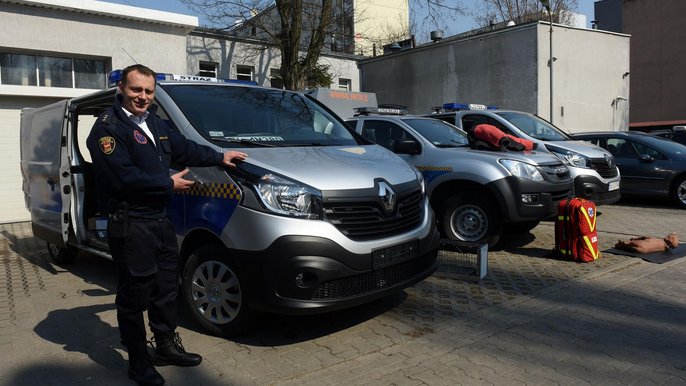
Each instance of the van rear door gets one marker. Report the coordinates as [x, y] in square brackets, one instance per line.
[48, 195]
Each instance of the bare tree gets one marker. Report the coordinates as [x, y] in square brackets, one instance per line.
[300, 29]
[488, 12]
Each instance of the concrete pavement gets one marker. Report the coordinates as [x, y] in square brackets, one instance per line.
[533, 320]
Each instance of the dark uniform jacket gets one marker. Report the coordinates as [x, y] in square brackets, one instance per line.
[130, 168]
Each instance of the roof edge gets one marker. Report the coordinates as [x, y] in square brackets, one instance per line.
[121, 11]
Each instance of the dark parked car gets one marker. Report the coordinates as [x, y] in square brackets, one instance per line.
[649, 165]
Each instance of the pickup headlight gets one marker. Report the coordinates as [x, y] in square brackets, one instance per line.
[570, 157]
[420, 177]
[281, 195]
[521, 169]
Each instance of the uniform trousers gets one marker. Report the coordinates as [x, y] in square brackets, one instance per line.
[147, 260]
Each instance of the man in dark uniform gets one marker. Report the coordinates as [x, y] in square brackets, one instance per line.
[132, 151]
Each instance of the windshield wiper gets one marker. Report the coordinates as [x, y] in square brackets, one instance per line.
[243, 141]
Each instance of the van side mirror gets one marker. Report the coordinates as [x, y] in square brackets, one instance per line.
[406, 147]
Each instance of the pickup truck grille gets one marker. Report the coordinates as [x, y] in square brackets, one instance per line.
[365, 220]
[604, 168]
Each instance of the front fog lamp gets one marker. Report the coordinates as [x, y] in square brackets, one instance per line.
[284, 196]
[521, 169]
[530, 198]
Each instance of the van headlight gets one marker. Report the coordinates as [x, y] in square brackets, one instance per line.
[571, 158]
[281, 195]
[521, 169]
[288, 197]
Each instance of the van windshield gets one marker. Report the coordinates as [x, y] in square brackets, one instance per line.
[535, 127]
[230, 115]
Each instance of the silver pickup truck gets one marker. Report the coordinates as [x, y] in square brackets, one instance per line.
[476, 194]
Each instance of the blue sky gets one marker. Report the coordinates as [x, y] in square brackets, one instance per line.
[461, 24]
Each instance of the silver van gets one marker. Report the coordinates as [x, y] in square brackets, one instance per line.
[594, 170]
[316, 219]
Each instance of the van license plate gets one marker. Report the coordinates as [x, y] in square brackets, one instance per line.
[613, 186]
[385, 257]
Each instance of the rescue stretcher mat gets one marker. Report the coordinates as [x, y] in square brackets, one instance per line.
[653, 257]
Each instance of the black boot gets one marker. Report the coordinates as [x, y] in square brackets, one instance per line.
[141, 369]
[170, 351]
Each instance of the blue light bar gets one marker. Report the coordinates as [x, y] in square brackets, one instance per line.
[466, 106]
[115, 76]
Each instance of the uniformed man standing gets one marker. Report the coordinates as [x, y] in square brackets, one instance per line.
[132, 151]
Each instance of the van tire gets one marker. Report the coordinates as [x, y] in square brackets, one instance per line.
[472, 218]
[213, 293]
[62, 255]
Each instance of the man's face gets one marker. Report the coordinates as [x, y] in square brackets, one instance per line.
[138, 92]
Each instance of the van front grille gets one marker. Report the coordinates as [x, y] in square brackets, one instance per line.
[379, 279]
[604, 168]
[366, 219]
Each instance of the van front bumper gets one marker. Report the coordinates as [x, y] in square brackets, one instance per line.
[306, 274]
[592, 188]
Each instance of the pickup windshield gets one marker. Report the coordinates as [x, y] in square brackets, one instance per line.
[251, 116]
[535, 127]
[439, 133]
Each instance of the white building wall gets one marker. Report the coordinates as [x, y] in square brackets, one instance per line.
[588, 78]
[75, 28]
[231, 53]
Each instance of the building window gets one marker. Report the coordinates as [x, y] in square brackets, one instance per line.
[18, 69]
[275, 78]
[51, 71]
[245, 72]
[208, 69]
[345, 84]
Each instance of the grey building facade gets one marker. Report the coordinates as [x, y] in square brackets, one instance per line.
[509, 68]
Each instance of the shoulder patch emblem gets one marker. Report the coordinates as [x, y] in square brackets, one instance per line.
[107, 144]
[140, 138]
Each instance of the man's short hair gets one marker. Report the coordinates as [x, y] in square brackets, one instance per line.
[136, 67]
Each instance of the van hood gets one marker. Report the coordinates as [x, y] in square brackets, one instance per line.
[334, 167]
[584, 148]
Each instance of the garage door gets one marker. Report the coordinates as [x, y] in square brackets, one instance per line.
[12, 206]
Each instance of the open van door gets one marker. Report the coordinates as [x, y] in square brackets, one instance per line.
[45, 167]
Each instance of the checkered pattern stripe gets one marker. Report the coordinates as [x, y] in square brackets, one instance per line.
[213, 190]
[435, 168]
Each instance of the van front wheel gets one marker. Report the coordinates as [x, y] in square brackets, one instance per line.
[213, 292]
[62, 255]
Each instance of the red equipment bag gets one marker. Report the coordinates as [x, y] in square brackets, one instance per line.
[576, 238]
[494, 137]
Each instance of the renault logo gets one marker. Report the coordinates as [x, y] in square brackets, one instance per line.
[387, 196]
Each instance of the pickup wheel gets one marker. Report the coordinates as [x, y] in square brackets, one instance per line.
[62, 255]
[472, 218]
[213, 293]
